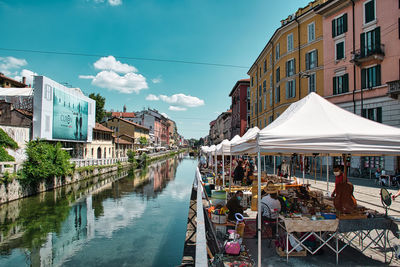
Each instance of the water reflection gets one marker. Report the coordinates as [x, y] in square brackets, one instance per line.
[49, 228]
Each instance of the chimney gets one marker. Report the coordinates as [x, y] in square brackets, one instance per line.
[24, 80]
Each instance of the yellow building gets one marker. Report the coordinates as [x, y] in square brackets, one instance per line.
[289, 67]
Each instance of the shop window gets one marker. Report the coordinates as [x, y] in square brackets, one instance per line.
[341, 84]
[290, 89]
[311, 82]
[339, 50]
[339, 25]
[374, 114]
[369, 11]
[371, 77]
[290, 42]
[312, 59]
[311, 32]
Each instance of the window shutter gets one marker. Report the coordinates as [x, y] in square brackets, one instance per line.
[346, 82]
[294, 88]
[333, 28]
[287, 68]
[345, 22]
[363, 78]
[307, 61]
[378, 38]
[294, 66]
[316, 58]
[362, 37]
[364, 113]
[287, 90]
[379, 114]
[378, 74]
[334, 86]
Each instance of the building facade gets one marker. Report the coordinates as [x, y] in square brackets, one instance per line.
[7, 82]
[289, 67]
[220, 128]
[157, 125]
[362, 64]
[102, 145]
[240, 95]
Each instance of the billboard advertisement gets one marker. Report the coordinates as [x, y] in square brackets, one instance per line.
[70, 116]
[61, 113]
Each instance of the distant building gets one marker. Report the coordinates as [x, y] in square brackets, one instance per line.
[102, 145]
[157, 125]
[173, 133]
[240, 95]
[220, 128]
[7, 82]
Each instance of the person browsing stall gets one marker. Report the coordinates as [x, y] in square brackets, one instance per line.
[234, 206]
[270, 205]
[238, 174]
[338, 178]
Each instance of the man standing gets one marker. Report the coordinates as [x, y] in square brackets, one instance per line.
[238, 174]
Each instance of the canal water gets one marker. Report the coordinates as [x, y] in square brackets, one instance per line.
[130, 219]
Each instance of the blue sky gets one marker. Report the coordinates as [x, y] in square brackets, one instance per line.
[224, 32]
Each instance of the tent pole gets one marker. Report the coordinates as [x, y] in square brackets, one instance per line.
[223, 169]
[215, 167]
[304, 174]
[327, 174]
[274, 165]
[259, 207]
[315, 168]
[230, 174]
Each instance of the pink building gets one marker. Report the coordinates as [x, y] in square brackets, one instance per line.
[362, 63]
[240, 95]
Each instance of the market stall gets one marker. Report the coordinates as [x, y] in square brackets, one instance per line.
[314, 125]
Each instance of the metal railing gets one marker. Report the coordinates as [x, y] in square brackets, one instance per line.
[366, 52]
[97, 162]
[394, 87]
[10, 167]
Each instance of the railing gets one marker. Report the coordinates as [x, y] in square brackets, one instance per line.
[363, 54]
[394, 88]
[11, 167]
[97, 162]
[201, 241]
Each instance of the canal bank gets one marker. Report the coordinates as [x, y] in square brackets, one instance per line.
[136, 220]
[14, 189]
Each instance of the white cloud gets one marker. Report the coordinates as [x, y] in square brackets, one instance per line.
[8, 65]
[183, 100]
[157, 80]
[129, 83]
[165, 115]
[152, 97]
[28, 74]
[110, 63]
[115, 2]
[175, 108]
[90, 77]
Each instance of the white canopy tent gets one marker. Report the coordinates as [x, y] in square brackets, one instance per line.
[247, 143]
[315, 125]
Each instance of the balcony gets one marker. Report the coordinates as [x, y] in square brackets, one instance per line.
[394, 89]
[364, 55]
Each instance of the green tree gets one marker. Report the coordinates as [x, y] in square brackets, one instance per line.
[143, 141]
[45, 161]
[100, 103]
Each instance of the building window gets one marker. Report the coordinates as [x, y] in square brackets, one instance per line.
[290, 89]
[260, 105]
[311, 82]
[369, 11]
[311, 60]
[252, 81]
[264, 86]
[270, 119]
[277, 94]
[270, 81]
[260, 72]
[265, 101]
[290, 42]
[370, 42]
[311, 32]
[339, 25]
[278, 75]
[270, 59]
[259, 90]
[290, 67]
[48, 93]
[339, 50]
[248, 92]
[341, 84]
[270, 97]
[371, 77]
[265, 65]
[374, 114]
[277, 51]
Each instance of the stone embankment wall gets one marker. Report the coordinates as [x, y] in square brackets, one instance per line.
[15, 190]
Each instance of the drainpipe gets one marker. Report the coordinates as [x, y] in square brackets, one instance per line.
[354, 65]
[298, 45]
[273, 77]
